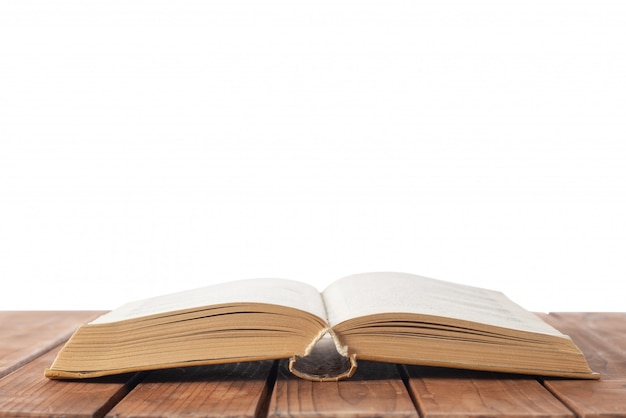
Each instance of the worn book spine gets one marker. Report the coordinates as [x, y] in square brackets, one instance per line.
[325, 359]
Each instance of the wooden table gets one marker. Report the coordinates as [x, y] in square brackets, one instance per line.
[30, 340]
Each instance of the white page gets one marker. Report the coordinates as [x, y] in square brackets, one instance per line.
[282, 292]
[375, 293]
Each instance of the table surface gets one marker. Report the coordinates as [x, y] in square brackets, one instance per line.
[29, 340]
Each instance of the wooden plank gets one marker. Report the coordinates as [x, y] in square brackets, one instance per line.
[27, 393]
[376, 389]
[602, 337]
[228, 390]
[28, 334]
[458, 393]
[596, 398]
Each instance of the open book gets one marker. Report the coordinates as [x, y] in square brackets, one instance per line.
[388, 317]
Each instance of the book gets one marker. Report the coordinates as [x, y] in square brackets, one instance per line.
[385, 316]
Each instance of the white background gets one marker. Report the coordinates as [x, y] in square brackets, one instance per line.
[154, 146]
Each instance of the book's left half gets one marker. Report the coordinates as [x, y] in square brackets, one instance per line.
[248, 320]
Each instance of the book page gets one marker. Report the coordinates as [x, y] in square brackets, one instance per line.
[282, 292]
[375, 293]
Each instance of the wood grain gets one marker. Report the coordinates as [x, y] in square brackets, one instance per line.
[228, 390]
[27, 393]
[25, 335]
[602, 338]
[376, 389]
[458, 393]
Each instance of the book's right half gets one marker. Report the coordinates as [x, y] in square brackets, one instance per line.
[404, 318]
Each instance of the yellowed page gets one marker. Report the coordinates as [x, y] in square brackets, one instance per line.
[282, 292]
[375, 293]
